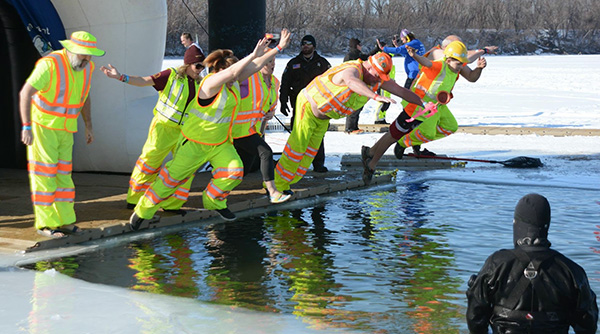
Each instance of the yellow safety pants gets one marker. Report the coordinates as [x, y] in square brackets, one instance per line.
[440, 125]
[301, 147]
[162, 139]
[50, 166]
[227, 173]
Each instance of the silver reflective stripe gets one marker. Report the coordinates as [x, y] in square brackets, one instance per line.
[168, 111]
[56, 109]
[169, 108]
[217, 118]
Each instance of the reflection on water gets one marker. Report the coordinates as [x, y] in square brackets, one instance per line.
[392, 261]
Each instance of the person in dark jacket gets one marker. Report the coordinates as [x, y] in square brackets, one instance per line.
[354, 53]
[531, 288]
[298, 72]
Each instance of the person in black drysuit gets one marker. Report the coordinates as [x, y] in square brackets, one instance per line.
[531, 288]
[298, 73]
[354, 53]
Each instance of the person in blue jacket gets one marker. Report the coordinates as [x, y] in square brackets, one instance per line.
[410, 64]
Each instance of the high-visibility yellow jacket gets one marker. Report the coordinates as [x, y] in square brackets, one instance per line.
[173, 98]
[58, 105]
[337, 101]
[256, 101]
[212, 125]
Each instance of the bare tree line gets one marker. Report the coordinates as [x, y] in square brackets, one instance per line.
[516, 26]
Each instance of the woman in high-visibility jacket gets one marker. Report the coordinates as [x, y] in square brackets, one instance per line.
[259, 95]
[206, 134]
[177, 88]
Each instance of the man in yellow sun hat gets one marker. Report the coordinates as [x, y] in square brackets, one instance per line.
[50, 102]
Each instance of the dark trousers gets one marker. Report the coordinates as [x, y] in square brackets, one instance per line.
[252, 147]
[408, 82]
[352, 121]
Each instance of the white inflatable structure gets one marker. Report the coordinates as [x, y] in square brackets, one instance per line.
[133, 35]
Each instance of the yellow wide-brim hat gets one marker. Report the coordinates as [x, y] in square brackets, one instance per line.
[82, 43]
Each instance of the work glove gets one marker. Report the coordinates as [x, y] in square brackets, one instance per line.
[284, 109]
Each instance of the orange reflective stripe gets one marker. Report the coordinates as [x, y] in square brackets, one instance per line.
[291, 154]
[152, 197]
[228, 173]
[65, 194]
[41, 168]
[420, 136]
[181, 194]
[65, 167]
[138, 187]
[301, 171]
[143, 167]
[285, 174]
[168, 181]
[42, 198]
[311, 151]
[444, 131]
[215, 192]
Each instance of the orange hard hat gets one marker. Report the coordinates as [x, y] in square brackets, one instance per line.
[382, 63]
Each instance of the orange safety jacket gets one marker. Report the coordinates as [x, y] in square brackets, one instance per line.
[212, 124]
[337, 101]
[58, 106]
[257, 102]
[429, 82]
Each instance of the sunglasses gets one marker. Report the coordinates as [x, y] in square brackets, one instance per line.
[198, 66]
[306, 43]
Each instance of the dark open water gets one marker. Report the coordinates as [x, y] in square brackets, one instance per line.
[390, 260]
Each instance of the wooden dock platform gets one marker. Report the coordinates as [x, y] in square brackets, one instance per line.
[101, 207]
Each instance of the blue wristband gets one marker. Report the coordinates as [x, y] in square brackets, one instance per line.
[126, 78]
[27, 127]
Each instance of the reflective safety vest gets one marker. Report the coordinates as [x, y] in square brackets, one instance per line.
[256, 101]
[337, 101]
[173, 98]
[59, 106]
[212, 124]
[429, 82]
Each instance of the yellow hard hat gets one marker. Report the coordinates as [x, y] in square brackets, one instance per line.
[456, 50]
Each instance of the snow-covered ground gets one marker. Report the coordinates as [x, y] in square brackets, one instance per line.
[525, 91]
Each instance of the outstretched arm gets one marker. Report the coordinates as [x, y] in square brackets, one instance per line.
[406, 94]
[261, 61]
[473, 55]
[213, 84]
[113, 73]
[420, 59]
[473, 75]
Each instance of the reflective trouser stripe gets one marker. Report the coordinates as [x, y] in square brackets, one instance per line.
[162, 139]
[52, 188]
[301, 147]
[189, 156]
[440, 125]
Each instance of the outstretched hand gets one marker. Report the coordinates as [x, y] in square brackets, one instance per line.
[481, 63]
[380, 98]
[111, 71]
[259, 49]
[285, 38]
